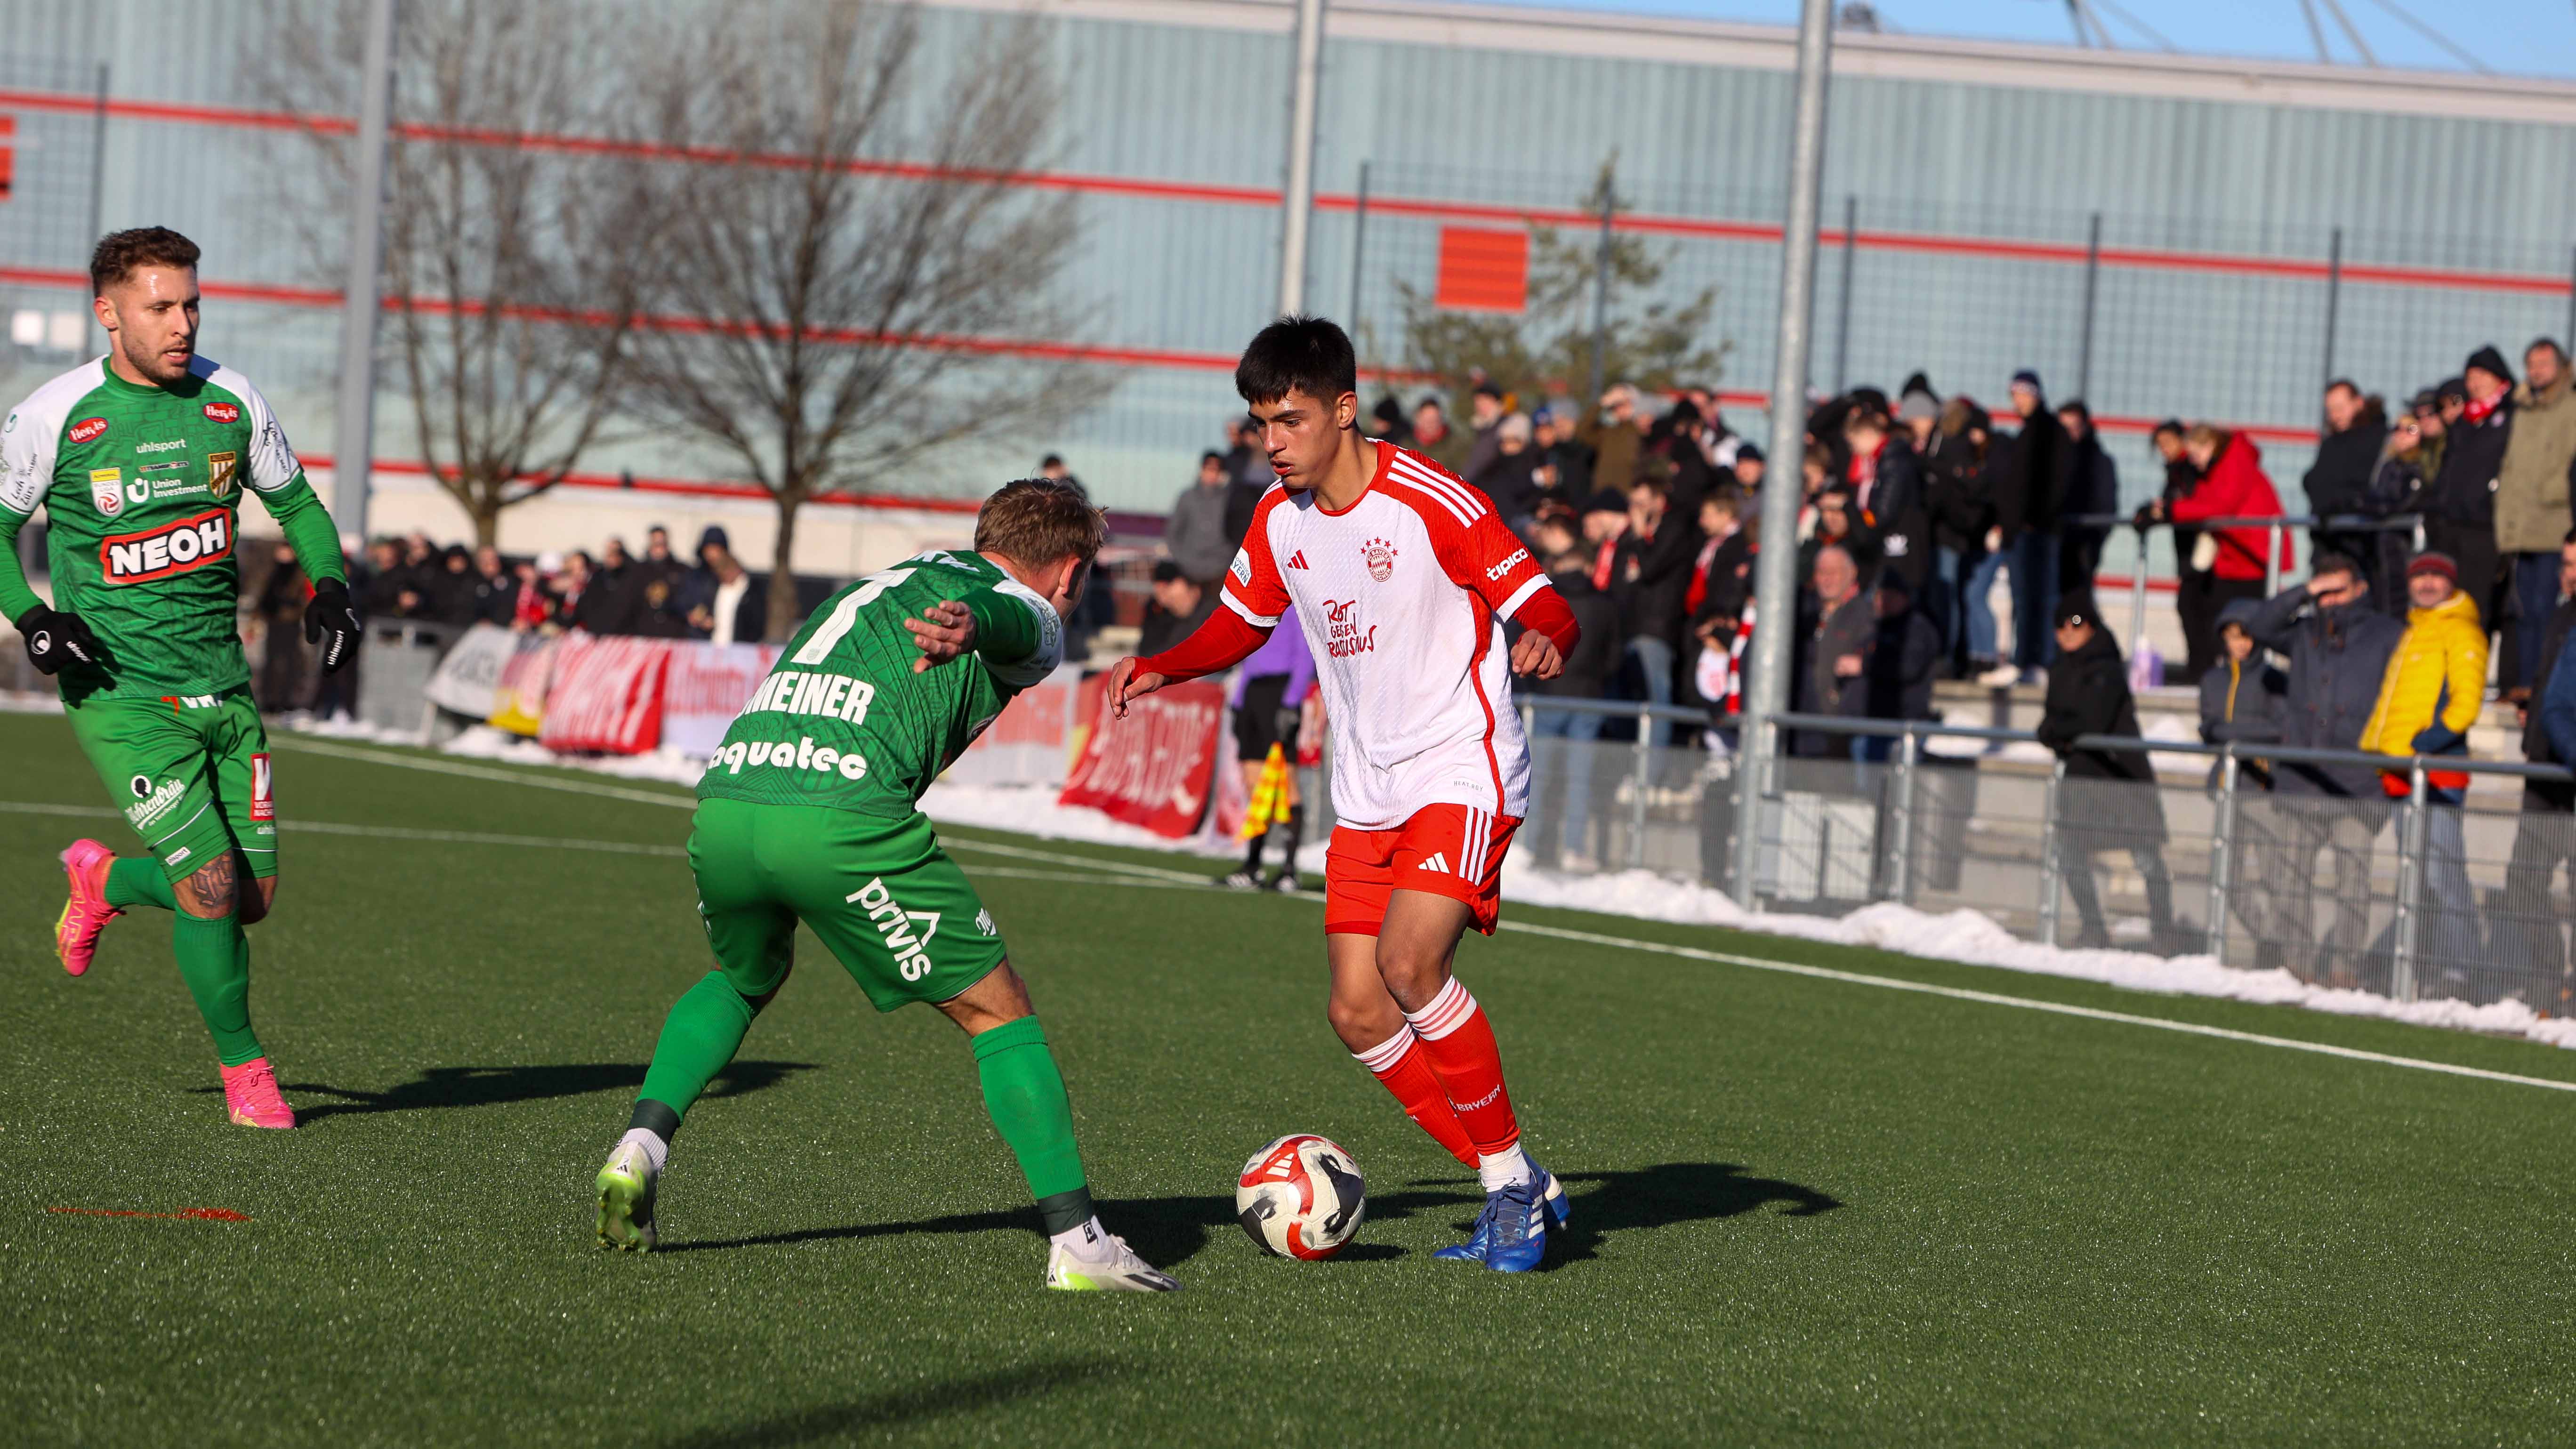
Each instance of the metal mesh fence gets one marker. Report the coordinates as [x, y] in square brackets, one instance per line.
[2448, 901]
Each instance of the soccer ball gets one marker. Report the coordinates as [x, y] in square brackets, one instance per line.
[1301, 1197]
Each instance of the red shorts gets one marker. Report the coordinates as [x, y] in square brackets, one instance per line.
[1448, 850]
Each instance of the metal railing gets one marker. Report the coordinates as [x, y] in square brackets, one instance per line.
[2250, 874]
[2273, 526]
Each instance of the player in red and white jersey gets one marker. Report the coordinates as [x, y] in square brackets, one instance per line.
[1402, 577]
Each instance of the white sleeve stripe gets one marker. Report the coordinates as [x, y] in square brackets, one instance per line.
[1446, 486]
[1449, 489]
[1407, 488]
[1245, 610]
[1521, 595]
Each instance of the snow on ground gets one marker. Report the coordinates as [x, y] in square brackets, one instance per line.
[1964, 936]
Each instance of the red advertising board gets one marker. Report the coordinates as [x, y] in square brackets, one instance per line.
[606, 696]
[1153, 768]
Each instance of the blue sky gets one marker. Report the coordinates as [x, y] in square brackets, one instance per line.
[2516, 37]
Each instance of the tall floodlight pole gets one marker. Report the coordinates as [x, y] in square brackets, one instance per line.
[355, 424]
[1303, 95]
[1776, 577]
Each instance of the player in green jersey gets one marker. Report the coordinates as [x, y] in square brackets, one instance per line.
[139, 459]
[809, 811]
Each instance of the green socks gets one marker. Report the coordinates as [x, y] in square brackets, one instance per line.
[699, 1037]
[1025, 1095]
[214, 959]
[136, 880]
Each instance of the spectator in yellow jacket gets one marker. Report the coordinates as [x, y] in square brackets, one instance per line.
[2434, 688]
[2436, 681]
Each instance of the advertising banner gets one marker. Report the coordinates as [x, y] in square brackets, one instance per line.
[519, 699]
[1031, 743]
[706, 686]
[606, 695]
[1156, 767]
[469, 678]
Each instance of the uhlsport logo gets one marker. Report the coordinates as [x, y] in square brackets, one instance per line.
[1379, 555]
[896, 924]
[222, 412]
[86, 429]
[173, 548]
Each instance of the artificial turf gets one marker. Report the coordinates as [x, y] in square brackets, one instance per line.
[1806, 1211]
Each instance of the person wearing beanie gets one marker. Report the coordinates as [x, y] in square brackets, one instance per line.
[2531, 507]
[2432, 693]
[2109, 799]
[2460, 506]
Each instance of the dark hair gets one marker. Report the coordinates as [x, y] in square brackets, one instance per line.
[1052, 460]
[1864, 417]
[119, 252]
[1166, 571]
[1212, 456]
[2076, 406]
[1036, 521]
[2336, 561]
[2551, 343]
[2169, 425]
[1651, 484]
[2346, 384]
[1299, 354]
[1684, 412]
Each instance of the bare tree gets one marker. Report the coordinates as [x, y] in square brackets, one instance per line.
[850, 251]
[514, 265]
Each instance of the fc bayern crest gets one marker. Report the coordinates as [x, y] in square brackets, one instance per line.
[1380, 557]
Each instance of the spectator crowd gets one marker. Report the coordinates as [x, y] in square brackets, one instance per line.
[653, 594]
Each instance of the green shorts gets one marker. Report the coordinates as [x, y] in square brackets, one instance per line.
[190, 772]
[882, 895]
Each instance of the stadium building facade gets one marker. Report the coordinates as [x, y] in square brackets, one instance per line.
[2168, 235]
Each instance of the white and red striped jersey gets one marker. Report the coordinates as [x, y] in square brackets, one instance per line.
[1398, 595]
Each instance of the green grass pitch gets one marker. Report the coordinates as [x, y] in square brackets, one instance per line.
[1807, 1211]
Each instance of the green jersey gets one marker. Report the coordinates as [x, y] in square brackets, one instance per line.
[142, 487]
[843, 721]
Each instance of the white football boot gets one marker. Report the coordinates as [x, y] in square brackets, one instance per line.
[1117, 1269]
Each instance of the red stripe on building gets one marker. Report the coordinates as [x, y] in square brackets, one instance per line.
[1991, 248]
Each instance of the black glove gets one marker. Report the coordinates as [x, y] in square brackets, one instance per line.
[2144, 518]
[332, 623]
[55, 638]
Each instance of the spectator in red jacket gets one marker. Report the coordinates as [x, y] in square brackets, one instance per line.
[2232, 485]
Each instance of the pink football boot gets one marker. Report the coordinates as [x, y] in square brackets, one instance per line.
[87, 912]
[250, 1096]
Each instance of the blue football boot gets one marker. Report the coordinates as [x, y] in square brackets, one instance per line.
[1549, 1190]
[1518, 1238]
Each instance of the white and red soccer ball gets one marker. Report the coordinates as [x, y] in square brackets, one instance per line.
[1301, 1197]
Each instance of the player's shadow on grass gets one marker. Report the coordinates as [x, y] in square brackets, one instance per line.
[1167, 1231]
[1674, 1192]
[944, 1399]
[493, 1086]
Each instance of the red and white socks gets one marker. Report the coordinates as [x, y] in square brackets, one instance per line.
[1458, 1044]
[1401, 1067]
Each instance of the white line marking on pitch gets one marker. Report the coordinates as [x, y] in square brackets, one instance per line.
[1692, 953]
